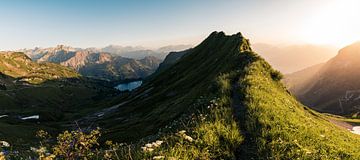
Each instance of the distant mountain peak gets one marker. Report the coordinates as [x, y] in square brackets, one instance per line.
[352, 49]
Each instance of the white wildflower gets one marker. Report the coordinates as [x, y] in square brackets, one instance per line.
[154, 145]
[149, 145]
[182, 132]
[33, 149]
[4, 144]
[159, 157]
[159, 142]
[190, 139]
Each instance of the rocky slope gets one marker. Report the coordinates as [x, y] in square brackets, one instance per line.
[101, 65]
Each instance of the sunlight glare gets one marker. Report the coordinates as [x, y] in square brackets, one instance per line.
[336, 23]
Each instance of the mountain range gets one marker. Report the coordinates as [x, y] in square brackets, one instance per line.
[98, 64]
[217, 100]
[333, 86]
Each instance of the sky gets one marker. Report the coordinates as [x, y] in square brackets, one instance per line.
[155, 23]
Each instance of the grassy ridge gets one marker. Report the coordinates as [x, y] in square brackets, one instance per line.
[282, 128]
[275, 125]
[272, 124]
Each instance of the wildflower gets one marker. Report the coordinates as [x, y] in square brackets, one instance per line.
[190, 139]
[33, 149]
[156, 143]
[159, 157]
[182, 132]
[4, 144]
[159, 142]
[2, 156]
[107, 155]
[149, 145]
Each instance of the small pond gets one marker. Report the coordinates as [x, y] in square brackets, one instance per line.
[128, 86]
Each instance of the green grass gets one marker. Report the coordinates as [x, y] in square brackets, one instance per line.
[282, 128]
[215, 131]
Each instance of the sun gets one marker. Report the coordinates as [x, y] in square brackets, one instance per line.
[336, 23]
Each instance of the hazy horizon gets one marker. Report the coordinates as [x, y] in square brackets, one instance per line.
[29, 24]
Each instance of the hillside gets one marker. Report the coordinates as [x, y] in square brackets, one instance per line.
[334, 87]
[231, 104]
[97, 64]
[171, 59]
[53, 93]
[18, 65]
[301, 81]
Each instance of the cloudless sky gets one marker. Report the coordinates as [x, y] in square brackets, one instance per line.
[154, 23]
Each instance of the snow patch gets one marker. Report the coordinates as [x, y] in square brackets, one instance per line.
[2, 116]
[31, 117]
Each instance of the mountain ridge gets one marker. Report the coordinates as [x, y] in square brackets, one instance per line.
[231, 101]
[328, 87]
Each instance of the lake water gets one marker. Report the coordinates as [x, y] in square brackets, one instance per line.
[129, 86]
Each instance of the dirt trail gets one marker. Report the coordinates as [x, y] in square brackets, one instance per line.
[341, 124]
[247, 149]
